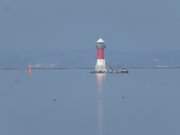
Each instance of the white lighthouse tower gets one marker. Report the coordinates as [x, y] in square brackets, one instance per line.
[100, 63]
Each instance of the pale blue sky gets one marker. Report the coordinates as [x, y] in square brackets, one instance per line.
[39, 26]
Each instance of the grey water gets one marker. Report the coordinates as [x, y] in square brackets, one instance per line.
[66, 102]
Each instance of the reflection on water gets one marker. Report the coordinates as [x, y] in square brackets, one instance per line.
[29, 70]
[100, 78]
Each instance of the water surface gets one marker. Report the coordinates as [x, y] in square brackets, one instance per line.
[55, 102]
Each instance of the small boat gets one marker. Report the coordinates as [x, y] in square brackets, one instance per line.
[124, 70]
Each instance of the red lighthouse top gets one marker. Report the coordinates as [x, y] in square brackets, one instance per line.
[100, 45]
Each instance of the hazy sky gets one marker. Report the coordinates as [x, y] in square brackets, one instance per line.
[47, 25]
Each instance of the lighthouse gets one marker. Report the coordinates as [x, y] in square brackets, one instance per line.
[100, 63]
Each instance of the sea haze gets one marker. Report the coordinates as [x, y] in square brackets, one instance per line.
[87, 58]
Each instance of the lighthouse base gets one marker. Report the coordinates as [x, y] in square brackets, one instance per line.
[100, 66]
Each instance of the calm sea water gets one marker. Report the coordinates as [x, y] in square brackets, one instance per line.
[75, 102]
